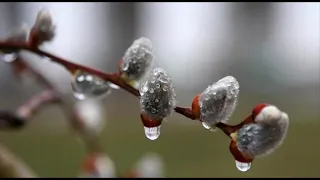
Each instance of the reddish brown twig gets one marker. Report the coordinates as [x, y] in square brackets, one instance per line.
[113, 78]
[72, 67]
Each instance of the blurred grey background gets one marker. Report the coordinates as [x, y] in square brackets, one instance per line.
[271, 48]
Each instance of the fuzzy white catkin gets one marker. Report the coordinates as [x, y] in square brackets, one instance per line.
[158, 97]
[137, 59]
[44, 26]
[264, 136]
[218, 101]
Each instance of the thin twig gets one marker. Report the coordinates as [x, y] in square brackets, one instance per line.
[36, 103]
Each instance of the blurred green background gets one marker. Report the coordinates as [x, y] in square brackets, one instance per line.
[187, 150]
[271, 48]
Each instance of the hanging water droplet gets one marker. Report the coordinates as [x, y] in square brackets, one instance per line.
[86, 85]
[9, 57]
[157, 85]
[113, 86]
[152, 133]
[151, 90]
[243, 166]
[205, 125]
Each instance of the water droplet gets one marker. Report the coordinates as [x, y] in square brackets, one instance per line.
[151, 90]
[157, 85]
[205, 125]
[86, 85]
[125, 66]
[144, 87]
[9, 57]
[163, 79]
[135, 49]
[113, 86]
[153, 110]
[165, 88]
[243, 166]
[152, 133]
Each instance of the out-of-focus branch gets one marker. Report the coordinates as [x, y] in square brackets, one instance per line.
[36, 103]
[13, 167]
[39, 101]
[9, 120]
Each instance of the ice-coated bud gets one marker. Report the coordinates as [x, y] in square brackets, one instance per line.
[158, 97]
[266, 134]
[218, 101]
[151, 165]
[137, 59]
[98, 166]
[43, 29]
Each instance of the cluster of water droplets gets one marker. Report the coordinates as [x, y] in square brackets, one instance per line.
[86, 85]
[218, 102]
[243, 166]
[137, 59]
[158, 99]
[44, 26]
[258, 139]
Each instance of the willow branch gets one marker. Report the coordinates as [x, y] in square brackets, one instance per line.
[72, 67]
[111, 77]
[12, 167]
